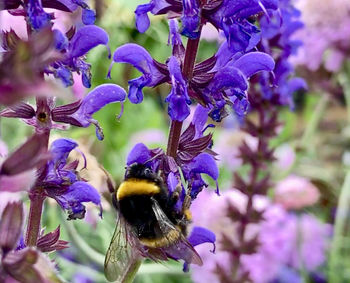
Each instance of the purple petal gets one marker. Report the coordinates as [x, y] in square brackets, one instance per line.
[200, 235]
[96, 99]
[139, 154]
[135, 55]
[77, 193]
[61, 41]
[254, 62]
[88, 16]
[228, 78]
[178, 98]
[85, 39]
[61, 148]
[142, 20]
[38, 18]
[63, 5]
[172, 182]
[65, 75]
[205, 163]
[200, 117]
[295, 84]
[190, 19]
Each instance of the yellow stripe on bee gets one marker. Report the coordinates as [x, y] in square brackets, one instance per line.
[133, 187]
[165, 241]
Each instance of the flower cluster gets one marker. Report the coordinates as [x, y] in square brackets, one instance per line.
[216, 82]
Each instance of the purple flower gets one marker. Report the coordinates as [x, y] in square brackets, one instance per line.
[229, 16]
[85, 39]
[38, 18]
[138, 57]
[62, 182]
[218, 81]
[78, 113]
[190, 18]
[178, 98]
[277, 30]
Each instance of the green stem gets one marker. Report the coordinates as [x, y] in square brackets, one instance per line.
[345, 83]
[82, 246]
[314, 121]
[336, 261]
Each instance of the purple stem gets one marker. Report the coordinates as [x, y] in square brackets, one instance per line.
[37, 194]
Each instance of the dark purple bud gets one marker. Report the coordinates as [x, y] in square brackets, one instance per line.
[139, 154]
[190, 18]
[20, 110]
[29, 265]
[30, 155]
[11, 226]
[10, 4]
[85, 39]
[88, 16]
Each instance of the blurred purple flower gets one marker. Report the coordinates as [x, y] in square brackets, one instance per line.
[327, 24]
[17, 171]
[285, 239]
[295, 192]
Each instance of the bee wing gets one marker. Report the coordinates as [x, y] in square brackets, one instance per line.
[180, 249]
[122, 259]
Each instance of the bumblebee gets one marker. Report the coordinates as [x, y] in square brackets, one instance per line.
[148, 224]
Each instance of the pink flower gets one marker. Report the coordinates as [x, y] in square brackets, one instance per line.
[296, 192]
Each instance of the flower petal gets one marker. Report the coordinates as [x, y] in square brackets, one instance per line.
[85, 39]
[190, 19]
[77, 193]
[60, 150]
[178, 98]
[200, 235]
[205, 163]
[139, 154]
[95, 100]
[254, 62]
[142, 20]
